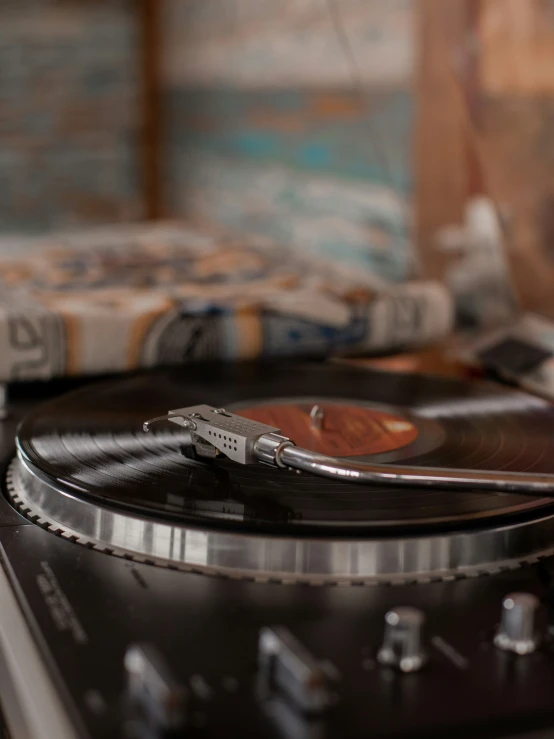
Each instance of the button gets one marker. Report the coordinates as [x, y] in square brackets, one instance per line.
[403, 640]
[155, 696]
[285, 664]
[517, 631]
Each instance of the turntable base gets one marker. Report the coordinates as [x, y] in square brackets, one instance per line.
[94, 646]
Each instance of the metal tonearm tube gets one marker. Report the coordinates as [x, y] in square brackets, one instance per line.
[215, 432]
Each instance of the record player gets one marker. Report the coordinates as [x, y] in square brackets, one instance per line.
[295, 550]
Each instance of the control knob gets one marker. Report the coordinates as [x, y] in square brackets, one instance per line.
[403, 640]
[517, 630]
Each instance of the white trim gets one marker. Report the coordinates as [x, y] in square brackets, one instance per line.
[32, 707]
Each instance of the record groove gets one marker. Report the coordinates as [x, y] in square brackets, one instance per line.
[91, 443]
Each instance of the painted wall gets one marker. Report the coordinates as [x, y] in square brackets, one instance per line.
[287, 118]
[68, 118]
[296, 120]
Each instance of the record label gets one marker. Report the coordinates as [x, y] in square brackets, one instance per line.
[344, 430]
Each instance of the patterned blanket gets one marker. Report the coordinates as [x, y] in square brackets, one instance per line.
[124, 297]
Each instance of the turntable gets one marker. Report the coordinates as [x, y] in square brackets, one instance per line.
[292, 550]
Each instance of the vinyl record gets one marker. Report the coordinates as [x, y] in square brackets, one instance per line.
[90, 443]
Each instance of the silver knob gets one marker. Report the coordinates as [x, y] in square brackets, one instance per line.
[517, 630]
[403, 640]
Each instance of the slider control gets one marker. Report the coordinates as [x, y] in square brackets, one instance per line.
[285, 664]
[156, 698]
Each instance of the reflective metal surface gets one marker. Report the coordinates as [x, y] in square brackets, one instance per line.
[402, 646]
[392, 559]
[365, 473]
[517, 630]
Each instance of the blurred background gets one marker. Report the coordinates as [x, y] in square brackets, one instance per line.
[249, 112]
[406, 137]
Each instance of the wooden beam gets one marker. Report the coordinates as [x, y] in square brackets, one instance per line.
[441, 148]
[517, 47]
[152, 133]
[517, 42]
[471, 95]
